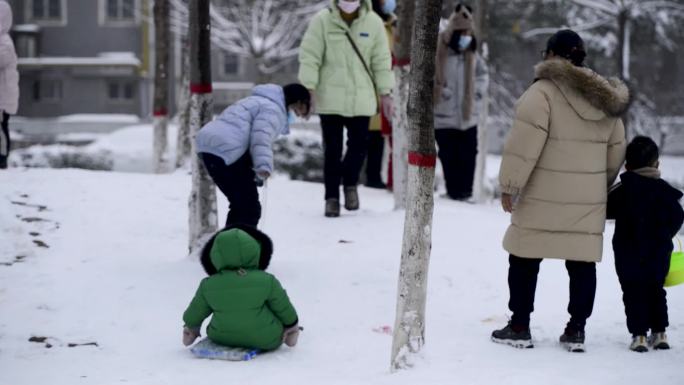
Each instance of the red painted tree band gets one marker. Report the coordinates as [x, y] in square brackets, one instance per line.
[200, 88]
[160, 112]
[401, 62]
[422, 160]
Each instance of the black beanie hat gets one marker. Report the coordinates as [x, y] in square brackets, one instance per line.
[296, 92]
[569, 45]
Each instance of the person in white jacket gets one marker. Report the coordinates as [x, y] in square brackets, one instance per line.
[9, 80]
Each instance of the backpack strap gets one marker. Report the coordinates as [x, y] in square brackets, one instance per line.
[365, 66]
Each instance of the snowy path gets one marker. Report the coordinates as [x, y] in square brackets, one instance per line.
[115, 272]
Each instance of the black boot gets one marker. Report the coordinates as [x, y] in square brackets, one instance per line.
[351, 198]
[518, 337]
[332, 207]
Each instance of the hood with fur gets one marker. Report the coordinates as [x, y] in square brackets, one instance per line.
[265, 248]
[590, 94]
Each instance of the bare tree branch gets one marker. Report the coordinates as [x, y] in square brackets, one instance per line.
[578, 28]
[604, 6]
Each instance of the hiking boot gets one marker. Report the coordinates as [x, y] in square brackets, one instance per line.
[639, 344]
[351, 198]
[573, 340]
[518, 337]
[332, 207]
[658, 341]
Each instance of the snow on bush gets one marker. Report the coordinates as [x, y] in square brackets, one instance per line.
[300, 155]
[62, 156]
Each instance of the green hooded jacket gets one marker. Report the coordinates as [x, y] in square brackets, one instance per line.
[329, 65]
[250, 308]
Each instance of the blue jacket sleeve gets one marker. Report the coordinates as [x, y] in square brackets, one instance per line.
[265, 128]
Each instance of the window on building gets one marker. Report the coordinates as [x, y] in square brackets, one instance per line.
[120, 91]
[26, 45]
[119, 10]
[47, 10]
[47, 90]
[231, 64]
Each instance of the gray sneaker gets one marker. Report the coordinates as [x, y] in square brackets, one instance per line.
[508, 336]
[332, 207]
[658, 341]
[639, 344]
[351, 198]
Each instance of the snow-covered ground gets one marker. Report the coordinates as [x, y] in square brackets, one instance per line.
[102, 258]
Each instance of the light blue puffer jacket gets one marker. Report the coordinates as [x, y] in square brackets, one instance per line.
[252, 123]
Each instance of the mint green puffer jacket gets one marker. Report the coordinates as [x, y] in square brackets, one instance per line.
[329, 65]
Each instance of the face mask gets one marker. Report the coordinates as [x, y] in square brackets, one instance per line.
[291, 117]
[349, 7]
[389, 6]
[460, 43]
[464, 42]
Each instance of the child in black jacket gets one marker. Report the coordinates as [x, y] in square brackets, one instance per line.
[647, 215]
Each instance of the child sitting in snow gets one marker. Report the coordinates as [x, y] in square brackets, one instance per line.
[647, 215]
[250, 308]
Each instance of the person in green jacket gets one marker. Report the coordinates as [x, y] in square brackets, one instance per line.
[345, 62]
[250, 308]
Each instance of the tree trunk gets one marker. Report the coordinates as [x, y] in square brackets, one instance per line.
[482, 30]
[183, 146]
[202, 202]
[624, 37]
[402, 54]
[161, 84]
[623, 53]
[409, 326]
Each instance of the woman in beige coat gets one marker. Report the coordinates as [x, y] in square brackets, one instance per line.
[565, 148]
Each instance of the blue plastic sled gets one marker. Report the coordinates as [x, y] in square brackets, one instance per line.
[208, 349]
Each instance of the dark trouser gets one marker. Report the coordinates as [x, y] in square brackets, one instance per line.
[337, 170]
[376, 148]
[645, 306]
[457, 151]
[5, 140]
[522, 283]
[236, 182]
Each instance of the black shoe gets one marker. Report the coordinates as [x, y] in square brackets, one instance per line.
[3, 162]
[332, 207]
[573, 340]
[376, 184]
[351, 198]
[521, 339]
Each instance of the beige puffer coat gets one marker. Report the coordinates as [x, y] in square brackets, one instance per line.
[565, 148]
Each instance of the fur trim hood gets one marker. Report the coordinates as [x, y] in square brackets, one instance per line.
[264, 242]
[590, 94]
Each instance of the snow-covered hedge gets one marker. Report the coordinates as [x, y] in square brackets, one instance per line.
[62, 156]
[300, 155]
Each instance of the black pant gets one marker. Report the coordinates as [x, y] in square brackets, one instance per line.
[5, 140]
[522, 283]
[376, 147]
[457, 150]
[237, 182]
[645, 305]
[337, 170]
